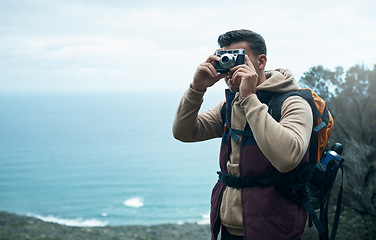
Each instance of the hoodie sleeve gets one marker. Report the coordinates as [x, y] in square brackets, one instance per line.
[284, 143]
[190, 125]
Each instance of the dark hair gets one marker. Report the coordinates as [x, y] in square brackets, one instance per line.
[255, 41]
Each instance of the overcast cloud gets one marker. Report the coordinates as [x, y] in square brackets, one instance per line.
[90, 46]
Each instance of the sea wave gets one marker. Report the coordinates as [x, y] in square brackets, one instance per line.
[135, 202]
[78, 222]
[205, 219]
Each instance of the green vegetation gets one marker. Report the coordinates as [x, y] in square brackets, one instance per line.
[353, 226]
[351, 98]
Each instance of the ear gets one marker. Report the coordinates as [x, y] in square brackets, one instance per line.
[261, 61]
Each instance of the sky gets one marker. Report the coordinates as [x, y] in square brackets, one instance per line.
[59, 46]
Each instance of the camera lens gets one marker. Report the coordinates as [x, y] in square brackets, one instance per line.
[227, 61]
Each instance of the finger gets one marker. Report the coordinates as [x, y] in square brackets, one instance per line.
[220, 76]
[245, 67]
[212, 70]
[249, 63]
[215, 53]
[208, 68]
[242, 72]
[212, 58]
[215, 74]
[237, 76]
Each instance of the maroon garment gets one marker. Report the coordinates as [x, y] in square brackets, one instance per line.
[267, 214]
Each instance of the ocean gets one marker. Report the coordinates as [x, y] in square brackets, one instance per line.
[102, 160]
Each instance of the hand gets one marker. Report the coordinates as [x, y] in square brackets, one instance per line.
[246, 76]
[206, 75]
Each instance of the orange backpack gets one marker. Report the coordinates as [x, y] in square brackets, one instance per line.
[322, 119]
[317, 178]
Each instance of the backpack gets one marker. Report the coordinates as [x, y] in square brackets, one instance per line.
[309, 185]
[317, 177]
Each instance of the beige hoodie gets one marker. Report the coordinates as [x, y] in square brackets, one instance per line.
[284, 143]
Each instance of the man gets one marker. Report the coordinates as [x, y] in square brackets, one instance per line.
[256, 212]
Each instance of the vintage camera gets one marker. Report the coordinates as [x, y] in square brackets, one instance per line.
[229, 59]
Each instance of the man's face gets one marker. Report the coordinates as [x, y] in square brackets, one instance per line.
[244, 45]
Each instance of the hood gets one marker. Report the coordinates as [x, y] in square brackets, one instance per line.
[279, 80]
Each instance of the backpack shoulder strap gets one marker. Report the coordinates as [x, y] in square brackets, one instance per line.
[223, 114]
[276, 102]
[275, 106]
